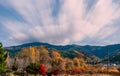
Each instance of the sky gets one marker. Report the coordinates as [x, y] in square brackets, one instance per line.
[60, 22]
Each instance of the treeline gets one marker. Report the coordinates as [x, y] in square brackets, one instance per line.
[29, 59]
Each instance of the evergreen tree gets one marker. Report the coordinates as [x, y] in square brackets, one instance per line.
[3, 56]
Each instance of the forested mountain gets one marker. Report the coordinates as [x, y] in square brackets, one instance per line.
[69, 50]
[115, 57]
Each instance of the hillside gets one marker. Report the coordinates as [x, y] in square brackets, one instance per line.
[98, 51]
[115, 57]
[34, 53]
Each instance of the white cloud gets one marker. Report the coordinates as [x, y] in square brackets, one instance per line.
[72, 25]
[106, 32]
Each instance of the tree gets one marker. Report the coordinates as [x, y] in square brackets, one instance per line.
[32, 68]
[83, 64]
[42, 70]
[44, 55]
[79, 63]
[37, 54]
[3, 57]
[57, 60]
[15, 66]
[29, 53]
[76, 62]
[69, 64]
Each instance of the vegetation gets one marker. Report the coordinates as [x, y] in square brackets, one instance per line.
[33, 68]
[46, 61]
[3, 57]
[119, 69]
[15, 66]
[42, 70]
[115, 57]
[40, 60]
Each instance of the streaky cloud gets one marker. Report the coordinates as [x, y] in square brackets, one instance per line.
[62, 22]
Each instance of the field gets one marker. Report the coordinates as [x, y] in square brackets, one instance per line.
[11, 74]
[83, 74]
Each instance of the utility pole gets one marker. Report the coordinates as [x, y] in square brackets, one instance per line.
[108, 61]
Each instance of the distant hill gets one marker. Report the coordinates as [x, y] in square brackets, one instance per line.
[115, 57]
[98, 51]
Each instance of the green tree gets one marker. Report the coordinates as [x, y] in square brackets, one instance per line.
[3, 57]
[33, 68]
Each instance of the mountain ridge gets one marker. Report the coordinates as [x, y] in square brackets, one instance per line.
[99, 51]
[60, 45]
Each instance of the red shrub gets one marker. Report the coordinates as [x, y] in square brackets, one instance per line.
[75, 71]
[55, 72]
[63, 71]
[78, 71]
[42, 70]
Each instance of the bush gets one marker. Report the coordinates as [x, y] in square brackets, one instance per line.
[33, 68]
[18, 73]
[14, 68]
[42, 69]
[55, 72]
[118, 69]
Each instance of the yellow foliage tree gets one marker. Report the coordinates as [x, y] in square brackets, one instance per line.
[80, 63]
[83, 64]
[57, 60]
[69, 64]
[44, 54]
[76, 62]
[32, 53]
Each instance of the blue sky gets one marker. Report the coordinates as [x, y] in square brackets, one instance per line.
[60, 22]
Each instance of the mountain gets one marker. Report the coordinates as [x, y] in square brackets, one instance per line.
[13, 50]
[115, 57]
[99, 51]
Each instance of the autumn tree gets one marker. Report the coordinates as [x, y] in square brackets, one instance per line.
[57, 60]
[83, 64]
[30, 53]
[69, 64]
[37, 55]
[44, 57]
[76, 62]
